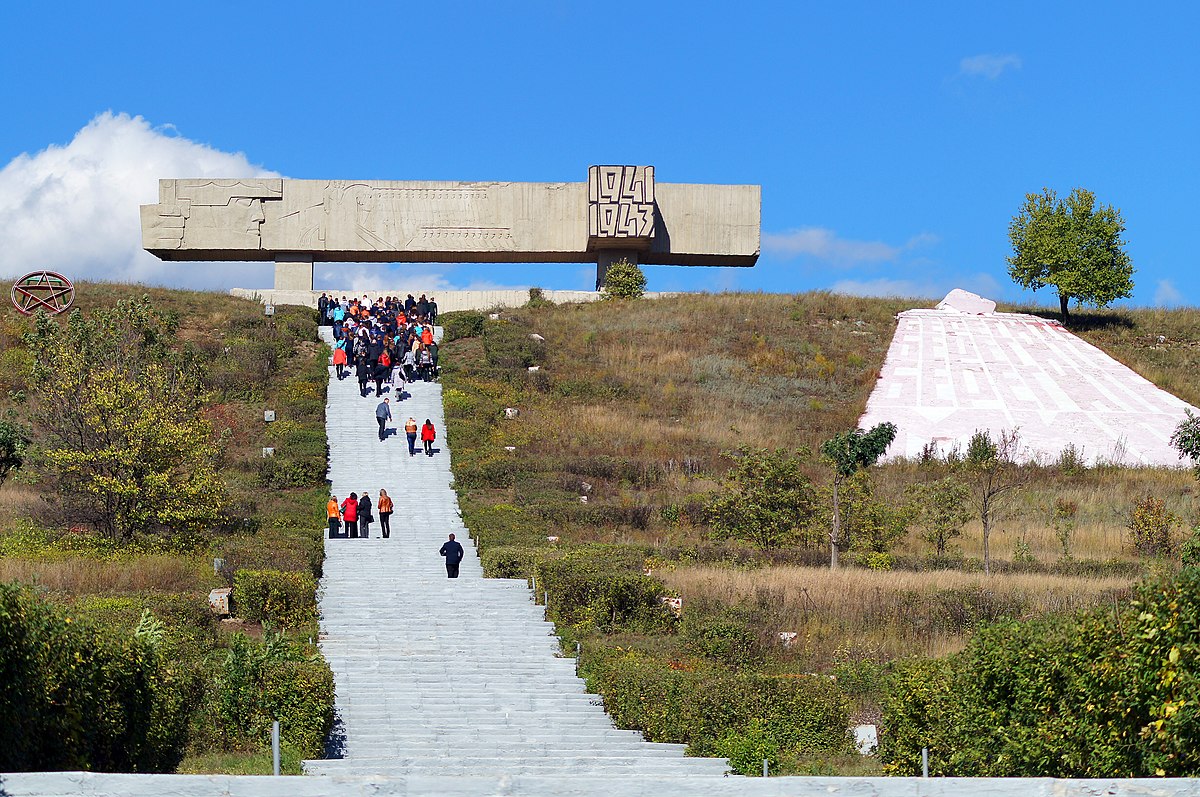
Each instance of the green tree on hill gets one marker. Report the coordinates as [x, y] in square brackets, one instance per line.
[767, 499]
[848, 453]
[116, 418]
[1072, 245]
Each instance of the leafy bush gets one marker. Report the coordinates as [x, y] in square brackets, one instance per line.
[1099, 695]
[1151, 526]
[281, 598]
[461, 324]
[510, 561]
[725, 636]
[78, 695]
[586, 588]
[716, 712]
[624, 280]
[273, 680]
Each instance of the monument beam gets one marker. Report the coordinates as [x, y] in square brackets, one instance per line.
[298, 222]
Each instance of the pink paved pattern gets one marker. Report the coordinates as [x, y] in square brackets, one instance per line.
[948, 374]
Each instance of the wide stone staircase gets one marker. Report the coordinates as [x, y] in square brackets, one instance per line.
[438, 676]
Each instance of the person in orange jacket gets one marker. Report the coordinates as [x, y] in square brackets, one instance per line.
[335, 516]
[385, 507]
[427, 334]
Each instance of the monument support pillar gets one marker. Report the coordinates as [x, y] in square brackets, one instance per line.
[293, 272]
[607, 258]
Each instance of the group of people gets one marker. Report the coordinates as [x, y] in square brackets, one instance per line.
[383, 414]
[384, 340]
[358, 514]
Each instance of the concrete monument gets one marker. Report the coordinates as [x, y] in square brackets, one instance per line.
[619, 212]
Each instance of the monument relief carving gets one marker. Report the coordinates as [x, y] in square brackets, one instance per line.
[621, 206]
[619, 212]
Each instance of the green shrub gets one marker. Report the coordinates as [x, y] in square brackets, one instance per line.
[510, 561]
[273, 680]
[461, 324]
[586, 588]
[725, 636]
[1189, 552]
[1107, 694]
[720, 713]
[624, 280]
[78, 695]
[507, 346]
[285, 599]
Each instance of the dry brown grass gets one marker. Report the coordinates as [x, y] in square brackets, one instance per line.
[854, 612]
[86, 576]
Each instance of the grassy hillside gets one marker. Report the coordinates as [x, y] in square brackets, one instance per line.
[602, 479]
[270, 525]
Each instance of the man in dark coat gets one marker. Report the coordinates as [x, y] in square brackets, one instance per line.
[322, 310]
[454, 555]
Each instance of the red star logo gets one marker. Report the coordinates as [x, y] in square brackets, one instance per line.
[42, 290]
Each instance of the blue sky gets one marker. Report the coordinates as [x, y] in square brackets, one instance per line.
[893, 142]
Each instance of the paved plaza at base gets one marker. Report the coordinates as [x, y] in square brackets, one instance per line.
[948, 373]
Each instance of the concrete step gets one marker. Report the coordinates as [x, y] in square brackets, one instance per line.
[438, 676]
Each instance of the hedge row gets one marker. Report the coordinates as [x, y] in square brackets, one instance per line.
[77, 695]
[1107, 694]
[744, 718]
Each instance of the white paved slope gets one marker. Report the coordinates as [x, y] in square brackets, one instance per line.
[447, 677]
[948, 374]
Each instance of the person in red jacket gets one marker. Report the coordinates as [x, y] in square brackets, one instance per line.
[427, 437]
[339, 359]
[350, 514]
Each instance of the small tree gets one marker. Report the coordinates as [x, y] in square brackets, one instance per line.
[1151, 527]
[993, 475]
[869, 525]
[116, 419]
[848, 453]
[767, 500]
[12, 448]
[1073, 246]
[940, 510]
[1186, 439]
[624, 280]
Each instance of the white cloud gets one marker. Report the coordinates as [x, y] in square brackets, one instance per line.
[1167, 295]
[980, 283]
[988, 65]
[824, 245]
[74, 208]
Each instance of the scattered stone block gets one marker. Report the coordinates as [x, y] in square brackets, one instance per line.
[787, 638]
[675, 605]
[537, 337]
[494, 316]
[220, 600]
[510, 448]
[268, 415]
[866, 739]
[511, 412]
[583, 499]
[268, 451]
[533, 368]
[552, 538]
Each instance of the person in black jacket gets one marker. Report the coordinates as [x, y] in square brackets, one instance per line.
[454, 555]
[362, 369]
[364, 515]
[322, 310]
